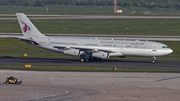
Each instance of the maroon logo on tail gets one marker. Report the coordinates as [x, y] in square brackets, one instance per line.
[26, 27]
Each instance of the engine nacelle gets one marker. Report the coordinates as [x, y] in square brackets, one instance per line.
[100, 54]
[74, 52]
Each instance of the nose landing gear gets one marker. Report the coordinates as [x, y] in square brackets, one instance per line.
[154, 60]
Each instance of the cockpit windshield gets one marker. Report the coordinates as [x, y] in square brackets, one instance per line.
[165, 47]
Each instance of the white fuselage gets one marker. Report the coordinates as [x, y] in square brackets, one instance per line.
[115, 47]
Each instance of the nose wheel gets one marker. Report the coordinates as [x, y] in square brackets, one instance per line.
[154, 60]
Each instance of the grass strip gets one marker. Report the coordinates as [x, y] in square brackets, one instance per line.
[156, 27]
[90, 69]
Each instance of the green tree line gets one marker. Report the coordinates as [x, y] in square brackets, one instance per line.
[136, 3]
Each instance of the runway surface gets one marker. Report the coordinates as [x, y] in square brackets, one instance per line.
[170, 65]
[90, 86]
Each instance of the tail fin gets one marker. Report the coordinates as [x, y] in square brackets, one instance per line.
[27, 27]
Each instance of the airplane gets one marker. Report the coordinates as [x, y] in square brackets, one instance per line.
[90, 49]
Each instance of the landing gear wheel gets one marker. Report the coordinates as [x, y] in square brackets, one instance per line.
[82, 60]
[87, 60]
[154, 60]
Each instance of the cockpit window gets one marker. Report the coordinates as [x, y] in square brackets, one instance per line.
[165, 47]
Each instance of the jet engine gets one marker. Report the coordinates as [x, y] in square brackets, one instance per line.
[74, 52]
[100, 54]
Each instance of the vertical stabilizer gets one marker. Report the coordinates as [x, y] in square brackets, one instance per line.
[27, 27]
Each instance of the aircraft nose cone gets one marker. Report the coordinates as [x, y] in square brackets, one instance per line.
[170, 51]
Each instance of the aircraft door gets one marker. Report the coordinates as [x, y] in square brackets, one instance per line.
[154, 48]
[121, 46]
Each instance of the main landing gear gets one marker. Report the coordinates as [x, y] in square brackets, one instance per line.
[154, 60]
[85, 60]
[90, 59]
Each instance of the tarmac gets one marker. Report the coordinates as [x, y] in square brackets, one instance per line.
[18, 61]
[90, 86]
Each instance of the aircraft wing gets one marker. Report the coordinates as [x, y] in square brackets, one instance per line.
[84, 48]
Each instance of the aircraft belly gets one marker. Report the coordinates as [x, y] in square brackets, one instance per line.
[116, 54]
[160, 52]
[136, 52]
[145, 52]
